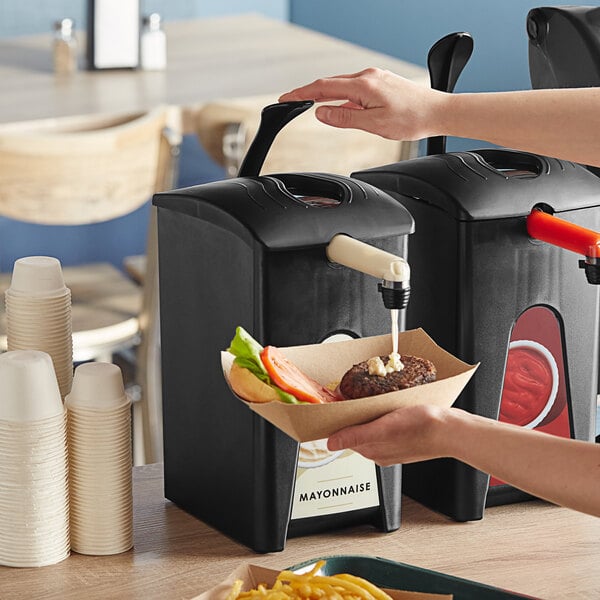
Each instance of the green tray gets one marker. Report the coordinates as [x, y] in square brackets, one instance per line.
[395, 575]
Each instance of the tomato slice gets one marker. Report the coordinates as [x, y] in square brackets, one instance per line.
[291, 379]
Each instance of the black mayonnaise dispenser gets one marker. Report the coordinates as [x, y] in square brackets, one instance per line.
[251, 251]
[496, 279]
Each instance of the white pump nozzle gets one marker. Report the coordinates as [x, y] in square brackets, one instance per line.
[391, 269]
[398, 271]
[367, 259]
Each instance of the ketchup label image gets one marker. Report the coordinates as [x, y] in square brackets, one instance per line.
[534, 393]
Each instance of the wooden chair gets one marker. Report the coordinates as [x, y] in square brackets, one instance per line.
[226, 128]
[83, 170]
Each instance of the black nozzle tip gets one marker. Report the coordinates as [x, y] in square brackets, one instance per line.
[395, 297]
[592, 271]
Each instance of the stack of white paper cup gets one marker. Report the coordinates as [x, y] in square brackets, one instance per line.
[34, 491]
[38, 314]
[100, 457]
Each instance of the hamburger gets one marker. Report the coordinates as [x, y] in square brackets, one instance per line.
[264, 374]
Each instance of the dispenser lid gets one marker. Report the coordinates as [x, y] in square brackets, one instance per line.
[292, 210]
[289, 210]
[489, 183]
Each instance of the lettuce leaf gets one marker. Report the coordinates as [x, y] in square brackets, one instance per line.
[247, 355]
[285, 397]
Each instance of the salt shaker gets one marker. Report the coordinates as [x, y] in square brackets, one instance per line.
[64, 47]
[153, 44]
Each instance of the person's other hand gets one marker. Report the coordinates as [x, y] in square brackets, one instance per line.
[376, 101]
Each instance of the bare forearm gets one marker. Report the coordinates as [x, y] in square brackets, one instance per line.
[566, 472]
[563, 471]
[564, 123]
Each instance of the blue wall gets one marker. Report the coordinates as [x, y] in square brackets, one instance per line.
[36, 16]
[407, 29]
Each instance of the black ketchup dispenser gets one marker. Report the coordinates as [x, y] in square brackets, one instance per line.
[564, 46]
[487, 290]
[496, 277]
[251, 251]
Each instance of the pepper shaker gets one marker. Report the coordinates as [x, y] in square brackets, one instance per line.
[64, 47]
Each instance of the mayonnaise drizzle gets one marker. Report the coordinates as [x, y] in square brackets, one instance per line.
[375, 364]
[394, 312]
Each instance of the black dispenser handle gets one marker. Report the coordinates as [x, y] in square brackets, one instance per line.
[273, 119]
[445, 61]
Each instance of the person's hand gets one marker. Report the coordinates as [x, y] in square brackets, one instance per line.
[405, 435]
[376, 101]
[548, 466]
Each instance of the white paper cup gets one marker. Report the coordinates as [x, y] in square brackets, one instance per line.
[97, 385]
[106, 479]
[39, 429]
[34, 493]
[28, 387]
[31, 306]
[39, 322]
[38, 314]
[115, 507]
[112, 442]
[94, 550]
[37, 331]
[83, 417]
[102, 524]
[43, 560]
[100, 476]
[93, 460]
[96, 531]
[39, 276]
[29, 302]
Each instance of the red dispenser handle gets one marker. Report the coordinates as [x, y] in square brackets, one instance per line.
[548, 228]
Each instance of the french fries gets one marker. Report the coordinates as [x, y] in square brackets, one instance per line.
[310, 586]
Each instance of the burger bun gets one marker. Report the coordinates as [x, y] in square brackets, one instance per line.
[249, 387]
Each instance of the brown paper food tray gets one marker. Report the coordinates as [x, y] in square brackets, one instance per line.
[326, 363]
[252, 575]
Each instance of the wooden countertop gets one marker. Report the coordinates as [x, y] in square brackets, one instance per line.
[532, 548]
[208, 59]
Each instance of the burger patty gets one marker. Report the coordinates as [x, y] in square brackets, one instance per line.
[357, 383]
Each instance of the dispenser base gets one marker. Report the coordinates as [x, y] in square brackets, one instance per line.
[313, 525]
[506, 494]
